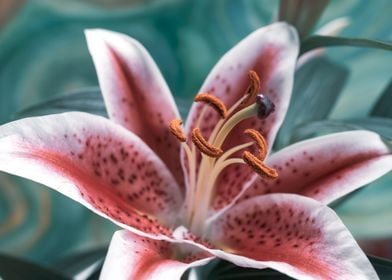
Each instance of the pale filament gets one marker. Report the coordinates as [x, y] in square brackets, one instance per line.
[204, 188]
[200, 187]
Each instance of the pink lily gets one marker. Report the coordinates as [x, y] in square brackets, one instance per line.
[181, 208]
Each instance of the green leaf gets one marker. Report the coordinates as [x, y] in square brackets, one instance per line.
[317, 86]
[87, 100]
[314, 42]
[382, 126]
[301, 14]
[383, 107]
[12, 268]
[367, 211]
[383, 267]
[222, 270]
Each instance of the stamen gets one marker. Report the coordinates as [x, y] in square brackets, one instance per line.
[203, 145]
[258, 166]
[260, 142]
[252, 90]
[214, 101]
[176, 130]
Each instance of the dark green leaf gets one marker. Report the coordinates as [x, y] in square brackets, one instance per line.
[316, 88]
[383, 107]
[301, 14]
[86, 100]
[382, 126]
[86, 263]
[314, 42]
[222, 270]
[12, 268]
[383, 267]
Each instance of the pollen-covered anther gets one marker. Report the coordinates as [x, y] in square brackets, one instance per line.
[203, 145]
[176, 130]
[260, 142]
[213, 101]
[258, 166]
[252, 90]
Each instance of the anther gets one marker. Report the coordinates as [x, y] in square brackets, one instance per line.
[203, 145]
[176, 130]
[214, 101]
[260, 142]
[265, 106]
[258, 166]
[252, 90]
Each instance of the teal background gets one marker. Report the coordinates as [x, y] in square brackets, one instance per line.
[43, 53]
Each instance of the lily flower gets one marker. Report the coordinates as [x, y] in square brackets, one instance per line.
[186, 195]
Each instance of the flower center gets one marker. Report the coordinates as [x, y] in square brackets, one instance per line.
[205, 158]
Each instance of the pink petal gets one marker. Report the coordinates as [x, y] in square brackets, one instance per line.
[328, 167]
[95, 162]
[293, 234]
[131, 257]
[135, 93]
[270, 51]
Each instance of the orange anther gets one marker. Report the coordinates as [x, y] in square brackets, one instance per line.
[176, 130]
[214, 101]
[258, 166]
[252, 90]
[260, 142]
[203, 145]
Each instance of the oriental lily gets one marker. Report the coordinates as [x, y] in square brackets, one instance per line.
[187, 195]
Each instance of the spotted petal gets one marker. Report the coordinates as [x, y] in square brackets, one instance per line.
[326, 168]
[96, 162]
[270, 51]
[131, 257]
[293, 234]
[135, 93]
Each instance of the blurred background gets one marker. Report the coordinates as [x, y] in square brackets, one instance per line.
[43, 56]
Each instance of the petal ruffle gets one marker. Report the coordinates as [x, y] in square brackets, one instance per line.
[271, 52]
[135, 93]
[95, 162]
[131, 256]
[293, 234]
[328, 167]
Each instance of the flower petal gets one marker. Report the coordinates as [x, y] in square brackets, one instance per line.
[271, 52]
[131, 257]
[328, 167]
[293, 234]
[95, 162]
[135, 93]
